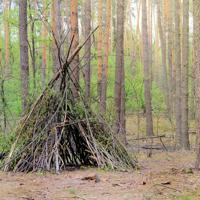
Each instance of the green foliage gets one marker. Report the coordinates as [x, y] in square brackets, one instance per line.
[188, 198]
[185, 197]
[78, 109]
[6, 141]
[72, 191]
[134, 84]
[158, 100]
[190, 195]
[134, 87]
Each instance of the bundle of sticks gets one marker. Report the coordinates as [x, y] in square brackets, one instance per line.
[58, 132]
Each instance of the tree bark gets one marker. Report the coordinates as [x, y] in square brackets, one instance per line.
[87, 72]
[147, 75]
[7, 34]
[44, 48]
[99, 45]
[105, 61]
[162, 34]
[114, 32]
[120, 127]
[55, 31]
[32, 9]
[74, 33]
[67, 21]
[24, 52]
[149, 25]
[170, 40]
[196, 44]
[139, 3]
[178, 72]
[185, 70]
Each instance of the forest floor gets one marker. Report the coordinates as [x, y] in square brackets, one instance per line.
[164, 175]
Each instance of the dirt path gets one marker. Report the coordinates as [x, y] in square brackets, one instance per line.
[161, 177]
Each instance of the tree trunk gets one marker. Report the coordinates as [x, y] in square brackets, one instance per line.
[105, 61]
[120, 128]
[7, 34]
[44, 48]
[184, 81]
[169, 55]
[164, 54]
[87, 73]
[75, 34]
[32, 33]
[24, 52]
[55, 32]
[99, 45]
[149, 25]
[196, 44]
[67, 21]
[192, 103]
[139, 3]
[178, 73]
[114, 32]
[147, 75]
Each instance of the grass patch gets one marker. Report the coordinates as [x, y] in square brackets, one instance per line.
[72, 191]
[194, 195]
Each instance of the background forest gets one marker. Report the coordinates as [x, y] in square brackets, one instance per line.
[108, 87]
[141, 60]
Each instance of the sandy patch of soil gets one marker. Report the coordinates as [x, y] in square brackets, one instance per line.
[164, 176]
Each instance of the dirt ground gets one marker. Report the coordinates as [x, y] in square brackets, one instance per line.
[164, 176]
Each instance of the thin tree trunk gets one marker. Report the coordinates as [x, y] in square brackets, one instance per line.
[164, 58]
[120, 128]
[147, 75]
[59, 22]
[173, 57]
[2, 89]
[55, 32]
[44, 48]
[114, 32]
[24, 52]
[157, 70]
[4, 104]
[67, 21]
[185, 69]
[99, 44]
[169, 54]
[32, 49]
[178, 72]
[196, 44]
[75, 34]
[127, 27]
[1, 51]
[7, 34]
[193, 109]
[149, 25]
[105, 61]
[87, 31]
[139, 3]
